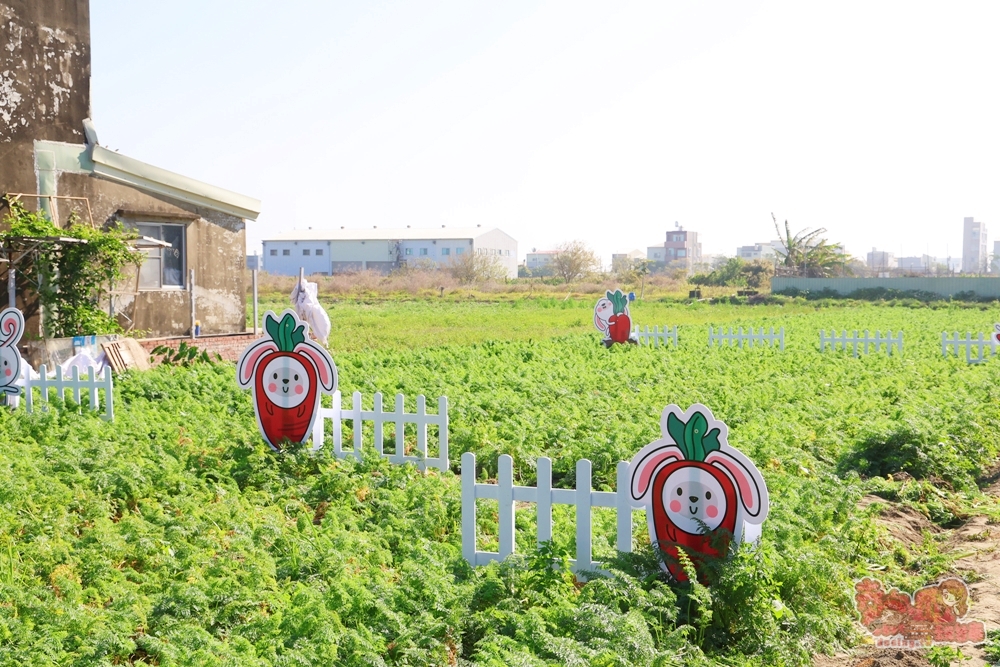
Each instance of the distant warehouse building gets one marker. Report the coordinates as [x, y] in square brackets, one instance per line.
[329, 251]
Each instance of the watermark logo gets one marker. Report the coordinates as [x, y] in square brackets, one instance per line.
[932, 615]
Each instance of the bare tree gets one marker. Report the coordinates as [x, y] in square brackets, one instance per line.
[574, 260]
[475, 267]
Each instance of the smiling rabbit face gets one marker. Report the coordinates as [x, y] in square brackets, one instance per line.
[286, 381]
[693, 497]
[602, 312]
[10, 366]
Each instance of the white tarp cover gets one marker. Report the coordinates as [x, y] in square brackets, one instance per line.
[305, 300]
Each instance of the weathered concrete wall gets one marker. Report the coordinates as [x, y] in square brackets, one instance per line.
[215, 245]
[44, 81]
[945, 286]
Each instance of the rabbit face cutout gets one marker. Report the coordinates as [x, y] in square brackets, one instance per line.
[11, 329]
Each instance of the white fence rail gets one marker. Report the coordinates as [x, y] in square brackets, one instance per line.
[752, 337]
[655, 337]
[399, 418]
[983, 343]
[91, 384]
[878, 341]
[583, 497]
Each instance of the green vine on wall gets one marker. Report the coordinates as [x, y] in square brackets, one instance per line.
[74, 277]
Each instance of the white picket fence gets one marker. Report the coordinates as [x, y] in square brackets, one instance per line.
[379, 417]
[878, 341]
[656, 336]
[583, 497]
[983, 343]
[751, 337]
[91, 384]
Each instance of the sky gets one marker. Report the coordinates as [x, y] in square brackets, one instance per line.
[606, 122]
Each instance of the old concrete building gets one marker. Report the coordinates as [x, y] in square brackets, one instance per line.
[974, 256]
[342, 250]
[50, 156]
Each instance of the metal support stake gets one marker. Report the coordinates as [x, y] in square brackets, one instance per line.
[11, 283]
[191, 291]
[253, 275]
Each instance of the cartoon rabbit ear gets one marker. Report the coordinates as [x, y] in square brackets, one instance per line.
[325, 368]
[645, 464]
[599, 323]
[249, 360]
[11, 327]
[749, 482]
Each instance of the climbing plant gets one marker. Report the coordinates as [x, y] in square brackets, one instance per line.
[72, 278]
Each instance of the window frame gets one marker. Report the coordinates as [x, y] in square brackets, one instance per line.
[160, 287]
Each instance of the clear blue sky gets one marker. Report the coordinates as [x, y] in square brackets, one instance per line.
[603, 121]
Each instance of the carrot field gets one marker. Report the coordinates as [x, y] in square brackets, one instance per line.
[173, 536]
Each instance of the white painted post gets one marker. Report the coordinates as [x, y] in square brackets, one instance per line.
[357, 423]
[422, 432]
[400, 452]
[544, 504]
[505, 497]
[378, 418]
[191, 294]
[253, 275]
[443, 432]
[623, 508]
[468, 473]
[109, 396]
[584, 551]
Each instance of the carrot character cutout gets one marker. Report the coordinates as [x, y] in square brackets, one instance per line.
[11, 330]
[699, 492]
[286, 372]
[611, 317]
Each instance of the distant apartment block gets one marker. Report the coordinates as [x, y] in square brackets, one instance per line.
[625, 260]
[328, 251]
[680, 250]
[974, 256]
[995, 259]
[923, 263]
[763, 251]
[881, 261]
[539, 262]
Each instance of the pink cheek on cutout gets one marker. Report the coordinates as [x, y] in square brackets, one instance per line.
[712, 511]
[6, 372]
[675, 506]
[272, 387]
[299, 389]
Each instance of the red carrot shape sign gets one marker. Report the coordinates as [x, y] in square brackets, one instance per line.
[700, 493]
[611, 317]
[286, 373]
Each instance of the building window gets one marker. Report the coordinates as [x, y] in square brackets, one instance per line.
[681, 252]
[305, 252]
[423, 252]
[445, 251]
[286, 252]
[163, 267]
[274, 253]
[409, 251]
[459, 251]
[507, 253]
[319, 252]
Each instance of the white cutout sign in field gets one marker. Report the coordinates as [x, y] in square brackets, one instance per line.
[611, 317]
[286, 372]
[699, 492]
[11, 330]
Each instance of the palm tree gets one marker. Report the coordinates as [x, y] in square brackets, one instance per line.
[808, 255]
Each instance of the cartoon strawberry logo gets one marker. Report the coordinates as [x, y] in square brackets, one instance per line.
[286, 371]
[611, 317]
[699, 492]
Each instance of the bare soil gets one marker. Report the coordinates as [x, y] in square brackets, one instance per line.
[977, 544]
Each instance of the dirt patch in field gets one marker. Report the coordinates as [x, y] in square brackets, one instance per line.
[904, 523]
[886, 657]
[978, 545]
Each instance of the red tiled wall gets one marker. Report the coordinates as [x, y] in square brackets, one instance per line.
[228, 347]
